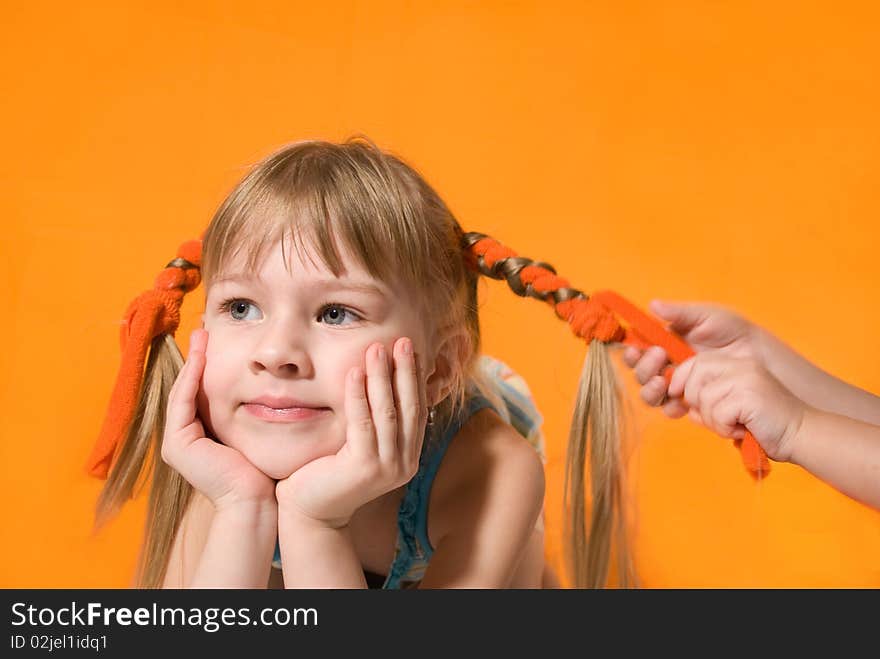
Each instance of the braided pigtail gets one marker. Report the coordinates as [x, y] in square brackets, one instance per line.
[595, 436]
[128, 449]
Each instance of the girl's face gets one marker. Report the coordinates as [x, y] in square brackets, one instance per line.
[279, 348]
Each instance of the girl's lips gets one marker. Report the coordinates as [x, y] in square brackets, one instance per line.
[285, 414]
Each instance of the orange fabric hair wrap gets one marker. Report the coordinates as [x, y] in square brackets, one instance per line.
[153, 313]
[588, 319]
[605, 316]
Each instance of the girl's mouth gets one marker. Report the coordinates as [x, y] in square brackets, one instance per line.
[285, 414]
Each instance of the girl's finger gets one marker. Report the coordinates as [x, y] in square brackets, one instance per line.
[423, 400]
[359, 431]
[182, 400]
[406, 398]
[381, 400]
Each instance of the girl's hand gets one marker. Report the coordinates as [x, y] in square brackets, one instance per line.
[704, 327]
[219, 472]
[729, 395]
[386, 415]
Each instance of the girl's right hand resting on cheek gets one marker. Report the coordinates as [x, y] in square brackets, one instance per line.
[218, 471]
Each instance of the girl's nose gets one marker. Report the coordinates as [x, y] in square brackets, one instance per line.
[282, 352]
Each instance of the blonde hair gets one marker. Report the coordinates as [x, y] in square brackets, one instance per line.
[595, 440]
[353, 196]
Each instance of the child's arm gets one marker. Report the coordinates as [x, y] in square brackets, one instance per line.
[843, 452]
[238, 551]
[317, 555]
[231, 548]
[729, 395]
[813, 385]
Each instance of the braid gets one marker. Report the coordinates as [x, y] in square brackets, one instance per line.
[151, 315]
[134, 422]
[595, 430]
[527, 278]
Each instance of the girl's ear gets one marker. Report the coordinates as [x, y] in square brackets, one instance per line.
[452, 353]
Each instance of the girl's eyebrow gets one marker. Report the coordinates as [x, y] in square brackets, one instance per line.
[222, 279]
[331, 284]
[348, 285]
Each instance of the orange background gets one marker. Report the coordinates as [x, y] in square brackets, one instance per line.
[694, 150]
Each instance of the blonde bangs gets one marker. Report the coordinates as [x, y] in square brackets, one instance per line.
[319, 199]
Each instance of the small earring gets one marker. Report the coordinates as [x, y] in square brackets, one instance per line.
[431, 416]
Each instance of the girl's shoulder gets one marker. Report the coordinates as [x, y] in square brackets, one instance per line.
[508, 392]
[488, 463]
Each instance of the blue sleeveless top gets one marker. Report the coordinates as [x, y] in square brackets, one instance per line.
[413, 552]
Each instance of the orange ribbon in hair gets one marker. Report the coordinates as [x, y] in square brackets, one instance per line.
[588, 319]
[605, 316]
[153, 313]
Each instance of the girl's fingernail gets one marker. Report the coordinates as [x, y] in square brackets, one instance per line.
[380, 353]
[407, 347]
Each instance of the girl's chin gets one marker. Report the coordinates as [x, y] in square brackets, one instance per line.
[279, 475]
[275, 469]
[278, 463]
[280, 469]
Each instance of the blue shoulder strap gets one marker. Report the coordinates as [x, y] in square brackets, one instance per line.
[414, 548]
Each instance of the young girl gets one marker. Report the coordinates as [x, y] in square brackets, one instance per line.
[334, 424]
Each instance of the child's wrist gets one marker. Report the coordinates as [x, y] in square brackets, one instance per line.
[292, 516]
[250, 518]
[262, 508]
[796, 440]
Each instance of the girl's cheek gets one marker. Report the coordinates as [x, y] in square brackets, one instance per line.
[339, 358]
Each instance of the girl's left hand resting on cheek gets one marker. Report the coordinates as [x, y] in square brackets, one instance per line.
[386, 415]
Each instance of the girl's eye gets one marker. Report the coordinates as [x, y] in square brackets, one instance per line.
[242, 310]
[336, 314]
